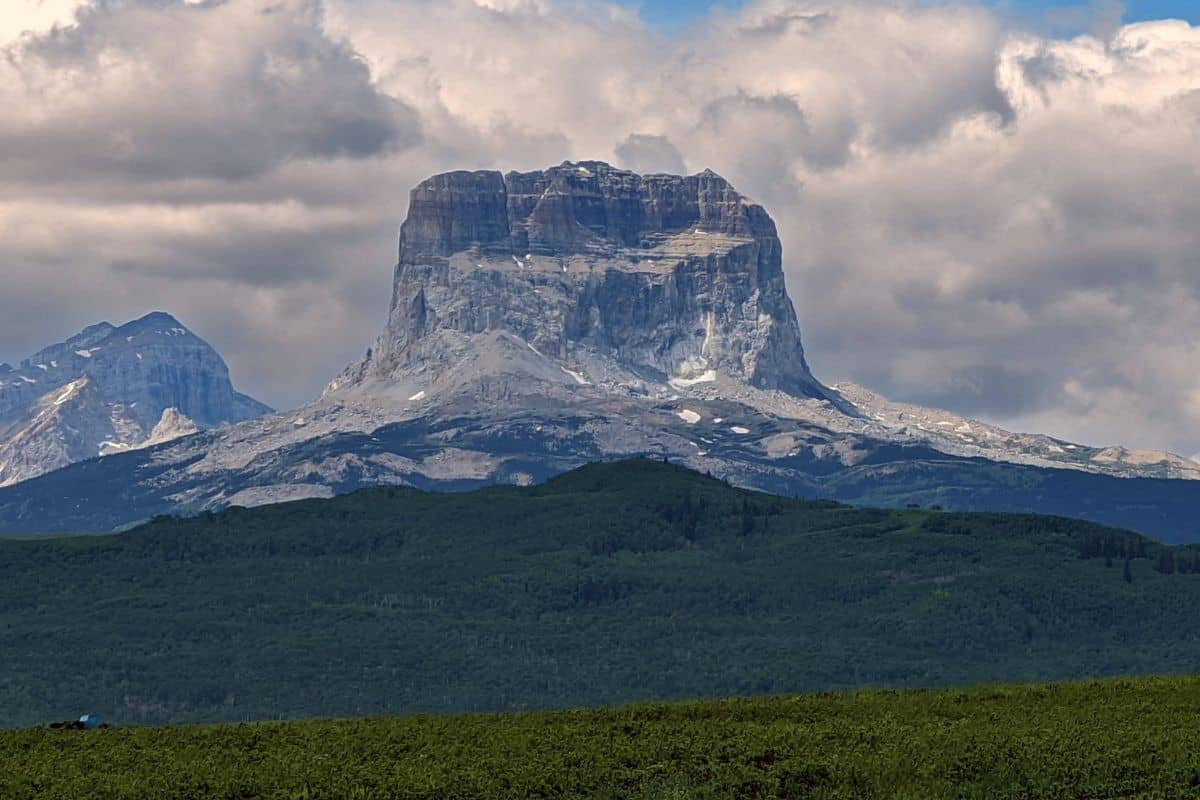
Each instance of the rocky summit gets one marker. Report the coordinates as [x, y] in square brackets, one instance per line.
[112, 389]
[669, 278]
[546, 319]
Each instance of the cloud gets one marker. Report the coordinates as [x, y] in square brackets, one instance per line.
[229, 90]
[31, 17]
[974, 215]
[646, 153]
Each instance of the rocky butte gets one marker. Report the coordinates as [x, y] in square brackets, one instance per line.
[545, 319]
[668, 277]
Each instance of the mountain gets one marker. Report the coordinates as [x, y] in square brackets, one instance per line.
[617, 582]
[543, 320]
[655, 279]
[109, 390]
[583, 284]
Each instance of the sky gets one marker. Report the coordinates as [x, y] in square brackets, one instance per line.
[982, 208]
[1041, 13]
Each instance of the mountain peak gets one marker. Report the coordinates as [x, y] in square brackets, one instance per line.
[99, 329]
[86, 337]
[156, 319]
[665, 276]
[155, 323]
[107, 390]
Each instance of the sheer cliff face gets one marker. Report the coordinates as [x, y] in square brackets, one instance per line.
[672, 277]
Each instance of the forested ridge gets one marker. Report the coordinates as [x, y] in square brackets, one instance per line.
[629, 581]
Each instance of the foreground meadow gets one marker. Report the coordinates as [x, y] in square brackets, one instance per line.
[1118, 738]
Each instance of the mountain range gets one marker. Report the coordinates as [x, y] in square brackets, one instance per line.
[546, 319]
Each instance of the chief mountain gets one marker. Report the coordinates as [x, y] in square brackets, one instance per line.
[543, 320]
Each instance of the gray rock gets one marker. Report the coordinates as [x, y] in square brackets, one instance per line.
[672, 276]
[110, 389]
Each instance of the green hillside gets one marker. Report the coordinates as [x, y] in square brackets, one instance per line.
[624, 582]
[1127, 738]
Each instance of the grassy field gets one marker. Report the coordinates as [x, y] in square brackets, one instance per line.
[1117, 738]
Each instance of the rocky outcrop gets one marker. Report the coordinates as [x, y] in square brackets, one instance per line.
[172, 425]
[671, 277]
[109, 389]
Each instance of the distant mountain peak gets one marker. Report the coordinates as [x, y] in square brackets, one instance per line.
[155, 319]
[585, 283]
[99, 329]
[109, 389]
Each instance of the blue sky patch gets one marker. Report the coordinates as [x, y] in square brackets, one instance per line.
[1040, 13]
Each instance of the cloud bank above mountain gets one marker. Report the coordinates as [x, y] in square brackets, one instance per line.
[974, 216]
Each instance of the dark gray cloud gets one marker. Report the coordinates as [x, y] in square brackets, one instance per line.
[771, 131]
